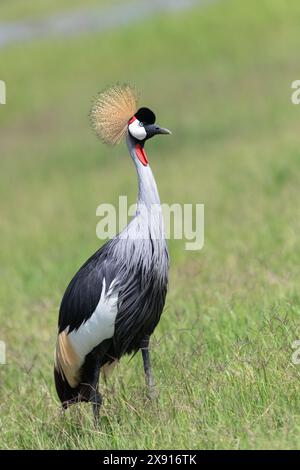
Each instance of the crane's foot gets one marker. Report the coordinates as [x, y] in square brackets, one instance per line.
[152, 392]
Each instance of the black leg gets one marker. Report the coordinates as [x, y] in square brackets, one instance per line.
[97, 402]
[95, 397]
[89, 387]
[147, 367]
[92, 367]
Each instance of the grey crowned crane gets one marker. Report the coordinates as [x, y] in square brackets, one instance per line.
[114, 302]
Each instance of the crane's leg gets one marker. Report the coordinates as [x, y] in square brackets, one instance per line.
[94, 362]
[95, 396]
[97, 402]
[89, 387]
[147, 368]
[90, 380]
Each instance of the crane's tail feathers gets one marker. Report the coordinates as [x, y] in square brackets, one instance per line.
[67, 394]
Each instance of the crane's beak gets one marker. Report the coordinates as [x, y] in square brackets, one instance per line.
[162, 130]
[154, 129]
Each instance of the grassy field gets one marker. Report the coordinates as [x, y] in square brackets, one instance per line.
[220, 78]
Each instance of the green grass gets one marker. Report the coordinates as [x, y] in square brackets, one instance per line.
[220, 78]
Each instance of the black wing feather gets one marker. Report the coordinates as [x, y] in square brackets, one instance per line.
[84, 291]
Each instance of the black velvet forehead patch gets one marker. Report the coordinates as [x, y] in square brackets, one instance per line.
[145, 115]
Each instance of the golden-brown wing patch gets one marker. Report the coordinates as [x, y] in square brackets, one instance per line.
[67, 361]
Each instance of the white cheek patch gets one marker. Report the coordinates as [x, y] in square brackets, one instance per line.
[136, 130]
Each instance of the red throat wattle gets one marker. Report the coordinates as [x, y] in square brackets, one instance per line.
[141, 154]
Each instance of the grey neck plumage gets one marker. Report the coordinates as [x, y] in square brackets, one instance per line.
[141, 247]
[148, 214]
[143, 238]
[148, 193]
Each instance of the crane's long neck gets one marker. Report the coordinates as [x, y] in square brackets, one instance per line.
[148, 194]
[148, 217]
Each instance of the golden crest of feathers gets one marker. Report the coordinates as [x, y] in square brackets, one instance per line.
[111, 112]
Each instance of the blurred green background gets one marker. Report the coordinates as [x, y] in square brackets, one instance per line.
[219, 75]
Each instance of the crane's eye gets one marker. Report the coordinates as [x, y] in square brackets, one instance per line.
[141, 124]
